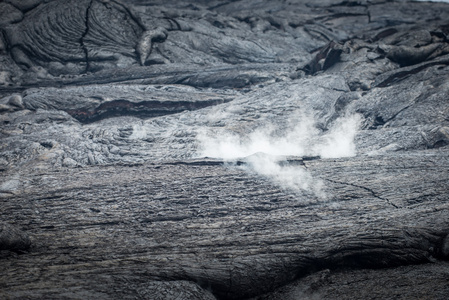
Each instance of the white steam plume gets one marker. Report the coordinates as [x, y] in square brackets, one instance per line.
[339, 140]
[266, 146]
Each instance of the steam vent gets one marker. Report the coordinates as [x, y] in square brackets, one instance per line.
[258, 150]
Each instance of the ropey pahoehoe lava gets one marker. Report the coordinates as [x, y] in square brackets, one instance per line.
[224, 149]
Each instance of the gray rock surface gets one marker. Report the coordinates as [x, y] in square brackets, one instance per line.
[224, 149]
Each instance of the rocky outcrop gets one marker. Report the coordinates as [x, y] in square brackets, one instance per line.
[224, 149]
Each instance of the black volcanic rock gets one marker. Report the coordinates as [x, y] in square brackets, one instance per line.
[224, 149]
[13, 239]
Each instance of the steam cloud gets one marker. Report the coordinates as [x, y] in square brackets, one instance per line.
[265, 147]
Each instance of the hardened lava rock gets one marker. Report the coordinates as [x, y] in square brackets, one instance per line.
[74, 36]
[174, 149]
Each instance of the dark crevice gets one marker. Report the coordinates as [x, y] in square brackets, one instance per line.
[143, 109]
[276, 24]
[22, 61]
[4, 39]
[396, 114]
[366, 189]
[392, 23]
[339, 15]
[380, 121]
[208, 161]
[27, 9]
[198, 162]
[221, 4]
[317, 34]
[362, 257]
[384, 33]
[83, 36]
[399, 75]
[439, 144]
[47, 144]
[173, 21]
[324, 59]
[349, 4]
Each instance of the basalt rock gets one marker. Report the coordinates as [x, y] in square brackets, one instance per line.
[13, 239]
[224, 149]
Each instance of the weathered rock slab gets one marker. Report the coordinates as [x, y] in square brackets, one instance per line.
[224, 149]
